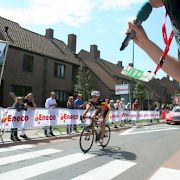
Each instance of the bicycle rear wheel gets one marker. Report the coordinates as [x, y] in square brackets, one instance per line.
[86, 139]
[107, 136]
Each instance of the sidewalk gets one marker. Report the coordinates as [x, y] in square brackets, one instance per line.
[38, 134]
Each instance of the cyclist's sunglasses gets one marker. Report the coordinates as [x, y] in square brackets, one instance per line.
[94, 96]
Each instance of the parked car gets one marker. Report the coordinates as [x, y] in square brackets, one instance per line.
[173, 116]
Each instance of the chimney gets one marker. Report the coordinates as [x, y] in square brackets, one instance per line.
[120, 64]
[98, 54]
[49, 33]
[72, 42]
[93, 52]
[131, 64]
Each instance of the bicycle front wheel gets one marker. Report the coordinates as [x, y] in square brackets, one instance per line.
[107, 136]
[86, 139]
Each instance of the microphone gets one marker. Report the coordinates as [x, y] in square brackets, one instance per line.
[142, 15]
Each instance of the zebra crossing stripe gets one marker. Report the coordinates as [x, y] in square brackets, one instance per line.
[13, 148]
[166, 174]
[44, 167]
[28, 155]
[107, 171]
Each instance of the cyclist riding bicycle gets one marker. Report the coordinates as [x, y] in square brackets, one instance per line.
[101, 113]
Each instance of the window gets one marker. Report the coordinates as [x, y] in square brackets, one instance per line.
[28, 63]
[59, 70]
[21, 90]
[61, 95]
[61, 98]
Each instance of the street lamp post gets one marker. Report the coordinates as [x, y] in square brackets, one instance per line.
[132, 86]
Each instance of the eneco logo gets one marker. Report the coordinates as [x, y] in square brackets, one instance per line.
[64, 116]
[37, 119]
[4, 119]
[40, 117]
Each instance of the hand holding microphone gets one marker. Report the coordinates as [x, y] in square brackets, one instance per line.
[142, 15]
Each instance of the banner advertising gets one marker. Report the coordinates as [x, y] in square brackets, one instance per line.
[10, 118]
[122, 89]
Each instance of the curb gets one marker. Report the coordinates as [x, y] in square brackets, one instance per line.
[39, 140]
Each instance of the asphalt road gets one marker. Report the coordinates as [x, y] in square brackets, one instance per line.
[135, 154]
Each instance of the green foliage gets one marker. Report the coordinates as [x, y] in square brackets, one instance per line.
[140, 92]
[83, 82]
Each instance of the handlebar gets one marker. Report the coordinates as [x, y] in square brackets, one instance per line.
[82, 118]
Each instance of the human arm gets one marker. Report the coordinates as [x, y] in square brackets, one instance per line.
[34, 104]
[171, 65]
[88, 107]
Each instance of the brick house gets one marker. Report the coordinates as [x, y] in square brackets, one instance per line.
[37, 64]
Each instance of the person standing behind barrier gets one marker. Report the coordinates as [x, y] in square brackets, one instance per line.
[157, 108]
[18, 105]
[128, 106]
[28, 103]
[136, 105]
[78, 104]
[50, 103]
[70, 105]
[111, 105]
[122, 108]
[117, 106]
[123, 104]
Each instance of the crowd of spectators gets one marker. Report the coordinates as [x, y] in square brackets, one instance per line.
[77, 102]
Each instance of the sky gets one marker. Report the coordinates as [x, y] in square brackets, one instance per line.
[100, 22]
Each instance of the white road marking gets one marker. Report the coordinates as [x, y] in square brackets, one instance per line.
[44, 167]
[141, 132]
[166, 174]
[27, 155]
[107, 171]
[13, 148]
[127, 131]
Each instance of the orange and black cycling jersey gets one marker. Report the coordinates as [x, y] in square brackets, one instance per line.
[101, 104]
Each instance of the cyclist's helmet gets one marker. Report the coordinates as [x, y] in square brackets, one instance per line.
[95, 93]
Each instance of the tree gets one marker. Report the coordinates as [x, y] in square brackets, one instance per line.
[140, 92]
[83, 82]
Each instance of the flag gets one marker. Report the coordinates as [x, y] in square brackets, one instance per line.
[3, 51]
[137, 74]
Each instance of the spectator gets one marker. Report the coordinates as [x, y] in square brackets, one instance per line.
[50, 103]
[117, 105]
[111, 105]
[136, 105]
[128, 106]
[28, 103]
[70, 105]
[122, 103]
[78, 104]
[18, 105]
[157, 108]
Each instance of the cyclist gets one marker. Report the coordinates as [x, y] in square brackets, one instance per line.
[101, 113]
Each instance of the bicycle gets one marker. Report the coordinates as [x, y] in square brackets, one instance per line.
[90, 134]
